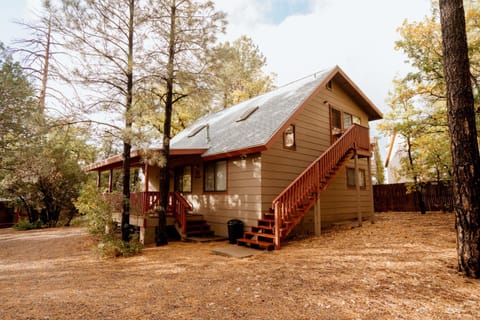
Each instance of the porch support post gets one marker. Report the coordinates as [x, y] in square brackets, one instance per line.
[99, 179]
[110, 180]
[370, 185]
[147, 176]
[318, 217]
[357, 189]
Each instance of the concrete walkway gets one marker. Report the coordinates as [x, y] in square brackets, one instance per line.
[235, 251]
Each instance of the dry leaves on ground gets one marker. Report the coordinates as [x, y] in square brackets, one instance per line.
[401, 267]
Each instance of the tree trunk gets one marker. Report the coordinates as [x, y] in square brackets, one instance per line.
[128, 125]
[463, 134]
[46, 63]
[161, 234]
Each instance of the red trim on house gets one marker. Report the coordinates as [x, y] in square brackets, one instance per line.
[136, 160]
[372, 112]
[235, 153]
[184, 152]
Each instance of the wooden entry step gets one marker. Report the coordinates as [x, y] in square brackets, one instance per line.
[261, 236]
[196, 226]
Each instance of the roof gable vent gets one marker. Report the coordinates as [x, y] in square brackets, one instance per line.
[247, 113]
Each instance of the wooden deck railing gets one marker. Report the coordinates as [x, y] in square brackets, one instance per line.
[314, 179]
[143, 202]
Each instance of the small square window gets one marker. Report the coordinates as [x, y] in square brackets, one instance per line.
[289, 137]
[351, 178]
[347, 120]
[356, 120]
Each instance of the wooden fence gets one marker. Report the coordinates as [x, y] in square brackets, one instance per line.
[394, 197]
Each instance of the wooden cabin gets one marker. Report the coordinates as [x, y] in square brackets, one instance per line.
[296, 157]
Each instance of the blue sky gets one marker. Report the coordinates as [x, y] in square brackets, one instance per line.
[12, 10]
[280, 10]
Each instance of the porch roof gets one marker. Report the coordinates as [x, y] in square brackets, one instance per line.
[136, 159]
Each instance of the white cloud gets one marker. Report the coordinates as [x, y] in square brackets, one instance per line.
[356, 35]
[32, 7]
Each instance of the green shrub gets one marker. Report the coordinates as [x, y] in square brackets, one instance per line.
[114, 247]
[97, 209]
[80, 221]
[27, 225]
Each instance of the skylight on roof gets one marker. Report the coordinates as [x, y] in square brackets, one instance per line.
[247, 113]
[197, 130]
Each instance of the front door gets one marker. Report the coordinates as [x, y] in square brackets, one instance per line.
[336, 128]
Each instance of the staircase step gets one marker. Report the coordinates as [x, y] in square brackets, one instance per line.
[256, 244]
[267, 222]
[193, 227]
[190, 233]
[196, 222]
[269, 216]
[250, 234]
[194, 217]
[263, 229]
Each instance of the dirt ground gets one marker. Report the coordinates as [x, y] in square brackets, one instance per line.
[401, 267]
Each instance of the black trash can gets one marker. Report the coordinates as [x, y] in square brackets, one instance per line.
[235, 230]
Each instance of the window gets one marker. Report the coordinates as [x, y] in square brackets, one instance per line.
[351, 178]
[336, 119]
[335, 124]
[329, 85]
[183, 179]
[289, 137]
[215, 176]
[356, 120]
[349, 119]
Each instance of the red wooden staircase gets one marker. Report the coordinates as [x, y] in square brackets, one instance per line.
[186, 223]
[291, 205]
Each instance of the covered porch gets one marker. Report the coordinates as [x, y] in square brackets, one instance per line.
[145, 197]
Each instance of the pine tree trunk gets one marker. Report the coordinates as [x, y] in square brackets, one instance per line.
[128, 125]
[161, 234]
[463, 134]
[45, 70]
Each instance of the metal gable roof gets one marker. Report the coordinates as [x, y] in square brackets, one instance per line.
[223, 133]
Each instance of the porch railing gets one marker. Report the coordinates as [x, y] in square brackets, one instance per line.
[179, 206]
[143, 202]
[314, 179]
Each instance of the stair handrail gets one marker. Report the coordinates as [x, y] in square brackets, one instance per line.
[180, 206]
[309, 180]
